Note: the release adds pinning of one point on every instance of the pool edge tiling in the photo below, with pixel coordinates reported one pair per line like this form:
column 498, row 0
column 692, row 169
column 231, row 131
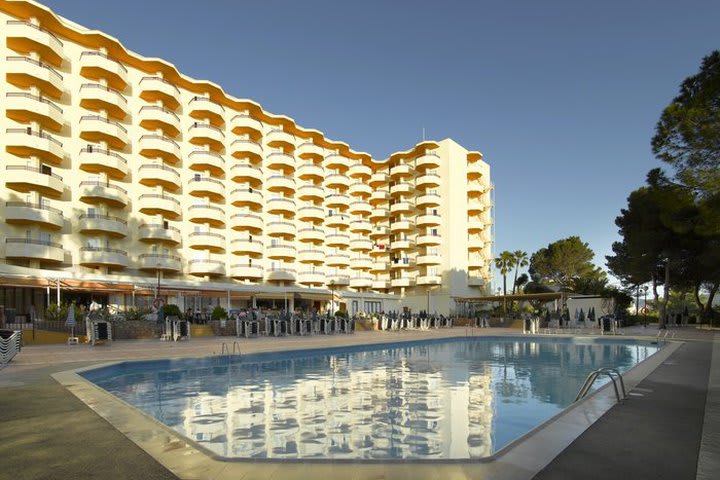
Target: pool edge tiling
column 522, row 458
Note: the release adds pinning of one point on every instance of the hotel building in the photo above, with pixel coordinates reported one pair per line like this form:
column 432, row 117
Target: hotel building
column 124, row 179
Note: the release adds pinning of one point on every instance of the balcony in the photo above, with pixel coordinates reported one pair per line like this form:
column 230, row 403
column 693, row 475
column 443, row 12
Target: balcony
column 210, row 214
column 361, row 282
column 96, row 160
column 246, row 149
column 379, row 267
column 312, row 278
column 360, row 226
column 402, row 263
column 337, row 240
column 26, row 213
column 246, row 173
column 280, row 275
column 338, row 181
column 475, row 189
column 361, row 263
column 337, row 221
column 286, row 230
column 94, row 96
column 361, row 245
column 312, row 235
column 247, row 222
column 246, row 246
column 380, row 284
column 311, row 172
column 429, row 259
column 426, row 161
column 154, row 89
column 281, row 139
column 280, row 206
column 315, row 215
column 156, row 174
column 402, row 226
column 26, row 37
column 26, row 72
column 475, row 226
column 159, row 204
column 32, row 249
column 428, row 200
column 280, row 183
column 153, row 146
column 154, row 117
column 159, row 262
column 316, row 257
column 207, row 187
column 246, row 197
column 360, row 208
column 474, row 171
column 359, row 189
column 207, row 134
column 309, row 150
column 246, row 271
column 430, row 180
column 26, row 108
column 337, row 200
column 207, row 161
column 158, row 232
column 337, row 280
column 379, row 180
column 202, row 108
column 476, row 243
column 379, row 196
column 280, row 252
column 26, row 142
column 401, row 245
column 336, row 161
column 379, row 232
column 428, row 240
column 97, row 65
column 212, row 241
column 429, row 280
column 280, row 161
column 402, row 189
column 95, row 128
column 428, row 220
column 360, row 171
column 311, row 192
column 95, row 223
column 402, row 282
column 377, row 214
column 476, row 262
column 380, row 250
column 476, row 281
column 475, row 206
column 402, row 207
column 337, row 260
column 206, row 267
column 25, row 179
column 401, row 171
column 243, row 123
column 96, row 257
column 94, row 192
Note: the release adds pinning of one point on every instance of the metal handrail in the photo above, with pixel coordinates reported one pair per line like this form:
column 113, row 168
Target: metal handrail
column 612, row 373
column 18, row 58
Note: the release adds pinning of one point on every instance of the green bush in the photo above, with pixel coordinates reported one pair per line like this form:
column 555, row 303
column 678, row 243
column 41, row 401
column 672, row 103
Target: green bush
column 340, row 313
column 134, row 314
column 59, row 313
column 173, row 310
column 218, row 313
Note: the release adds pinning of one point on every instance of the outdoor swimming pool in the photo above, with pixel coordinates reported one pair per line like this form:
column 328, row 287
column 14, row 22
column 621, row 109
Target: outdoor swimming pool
column 439, row 399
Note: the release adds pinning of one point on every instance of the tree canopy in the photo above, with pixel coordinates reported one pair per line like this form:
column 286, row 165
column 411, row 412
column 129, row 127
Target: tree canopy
column 687, row 136
column 564, row 261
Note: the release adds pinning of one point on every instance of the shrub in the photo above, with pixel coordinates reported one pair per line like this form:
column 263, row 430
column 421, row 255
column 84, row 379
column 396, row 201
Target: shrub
column 218, row 313
column 59, row 313
column 135, row 314
column 340, row 313
column 173, row 310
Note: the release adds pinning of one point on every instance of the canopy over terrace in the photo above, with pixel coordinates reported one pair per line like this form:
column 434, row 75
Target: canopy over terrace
column 467, row 306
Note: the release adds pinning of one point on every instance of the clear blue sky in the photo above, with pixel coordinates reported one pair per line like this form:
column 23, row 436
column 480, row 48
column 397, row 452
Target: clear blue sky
column 561, row 96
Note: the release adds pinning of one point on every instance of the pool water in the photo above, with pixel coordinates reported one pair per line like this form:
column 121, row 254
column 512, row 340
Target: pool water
column 439, row 399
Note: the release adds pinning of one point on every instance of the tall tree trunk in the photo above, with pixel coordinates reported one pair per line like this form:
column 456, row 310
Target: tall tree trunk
column 666, row 294
column 699, row 303
column 656, row 297
column 515, row 281
column 505, row 292
column 711, row 296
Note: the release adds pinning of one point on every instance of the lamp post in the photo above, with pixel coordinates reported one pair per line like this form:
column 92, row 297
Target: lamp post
column 645, row 290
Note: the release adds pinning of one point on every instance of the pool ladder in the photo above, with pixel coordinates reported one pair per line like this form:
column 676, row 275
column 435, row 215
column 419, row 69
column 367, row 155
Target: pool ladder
column 225, row 350
column 612, row 373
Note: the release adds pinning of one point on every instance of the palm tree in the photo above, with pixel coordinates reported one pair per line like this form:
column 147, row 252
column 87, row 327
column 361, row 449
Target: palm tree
column 504, row 262
column 520, row 260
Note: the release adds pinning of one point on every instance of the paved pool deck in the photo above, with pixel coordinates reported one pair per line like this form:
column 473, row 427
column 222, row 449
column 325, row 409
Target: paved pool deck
column 669, row 427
